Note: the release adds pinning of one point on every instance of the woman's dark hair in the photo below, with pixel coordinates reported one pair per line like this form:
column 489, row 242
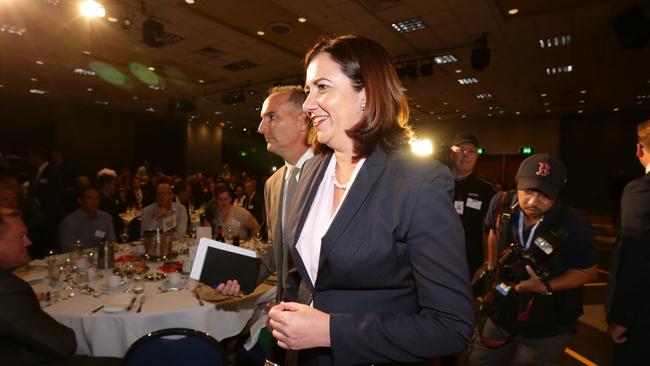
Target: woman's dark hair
column 220, row 188
column 368, row 65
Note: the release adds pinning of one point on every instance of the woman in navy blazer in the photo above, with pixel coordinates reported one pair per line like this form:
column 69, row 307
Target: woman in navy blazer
column 381, row 275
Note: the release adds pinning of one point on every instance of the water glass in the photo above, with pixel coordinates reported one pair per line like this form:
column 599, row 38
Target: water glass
column 137, row 285
column 82, row 278
column 53, row 271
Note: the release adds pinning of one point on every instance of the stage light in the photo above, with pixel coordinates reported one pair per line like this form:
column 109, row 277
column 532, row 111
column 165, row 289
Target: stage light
column 422, row 147
column 92, row 9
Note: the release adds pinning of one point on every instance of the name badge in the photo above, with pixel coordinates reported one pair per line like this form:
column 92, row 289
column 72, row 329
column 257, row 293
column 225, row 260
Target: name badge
column 169, row 222
column 475, row 204
column 459, row 206
column 100, row 234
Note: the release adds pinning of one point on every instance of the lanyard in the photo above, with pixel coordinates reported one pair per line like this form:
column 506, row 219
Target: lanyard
column 532, row 231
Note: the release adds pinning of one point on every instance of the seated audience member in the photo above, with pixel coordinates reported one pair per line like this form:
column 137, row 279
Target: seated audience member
column 31, row 212
column 240, row 196
column 165, row 214
column 107, row 185
column 29, row 335
column 221, row 212
column 87, row 224
column 138, row 196
column 254, row 202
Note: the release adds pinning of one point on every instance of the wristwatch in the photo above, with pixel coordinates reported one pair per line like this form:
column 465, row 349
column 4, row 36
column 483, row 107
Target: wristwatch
column 548, row 290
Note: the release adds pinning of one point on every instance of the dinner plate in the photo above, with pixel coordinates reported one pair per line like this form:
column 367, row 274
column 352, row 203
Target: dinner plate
column 121, row 287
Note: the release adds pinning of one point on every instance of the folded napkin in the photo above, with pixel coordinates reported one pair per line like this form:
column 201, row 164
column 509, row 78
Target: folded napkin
column 118, row 303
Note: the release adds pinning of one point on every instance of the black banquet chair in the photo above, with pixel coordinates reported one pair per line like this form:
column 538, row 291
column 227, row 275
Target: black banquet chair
column 175, row 346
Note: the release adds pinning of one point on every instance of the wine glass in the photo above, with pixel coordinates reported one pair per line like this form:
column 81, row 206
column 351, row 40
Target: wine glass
column 228, row 235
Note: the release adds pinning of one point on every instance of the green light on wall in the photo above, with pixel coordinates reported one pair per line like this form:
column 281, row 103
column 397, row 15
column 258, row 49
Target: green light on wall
column 243, row 154
column 526, row 150
column 480, row 151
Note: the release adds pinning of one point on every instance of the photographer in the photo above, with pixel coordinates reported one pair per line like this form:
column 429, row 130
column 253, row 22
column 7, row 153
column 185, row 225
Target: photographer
column 546, row 254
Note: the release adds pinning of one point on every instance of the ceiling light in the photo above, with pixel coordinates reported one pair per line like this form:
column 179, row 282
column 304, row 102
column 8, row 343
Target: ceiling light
column 151, row 68
column 12, row 29
column 458, row 71
column 463, row 116
column 189, row 1
column 86, row 53
column 639, row 102
column 150, row 109
column 548, row 111
column 615, row 109
column 302, row 20
column 484, row 96
column 583, row 91
column 489, row 114
column 2, row 86
column 201, row 81
column 135, row 97
column 555, row 41
column 39, row 62
column 112, row 19
column 582, row 101
column 444, row 103
column 38, row 91
column 409, row 25
column 547, row 103
column 33, row 79
column 579, row 111
column 89, row 89
column 102, row 102
column 517, row 113
column 559, row 70
column 501, row 111
column 260, row 33
column 445, row 59
column 84, row 72
column 543, row 95
column 466, row 81
column 513, row 11
column 92, row 9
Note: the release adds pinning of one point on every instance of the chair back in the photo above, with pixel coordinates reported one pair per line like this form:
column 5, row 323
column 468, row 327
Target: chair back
column 175, row 346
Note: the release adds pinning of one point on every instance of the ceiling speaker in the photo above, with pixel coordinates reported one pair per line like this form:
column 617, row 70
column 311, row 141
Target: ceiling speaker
column 632, row 27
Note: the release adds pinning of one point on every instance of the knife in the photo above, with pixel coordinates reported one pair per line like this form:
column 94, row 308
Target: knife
column 131, row 304
column 93, row 311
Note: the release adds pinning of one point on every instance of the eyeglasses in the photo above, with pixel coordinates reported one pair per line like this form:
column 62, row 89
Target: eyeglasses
column 459, row 149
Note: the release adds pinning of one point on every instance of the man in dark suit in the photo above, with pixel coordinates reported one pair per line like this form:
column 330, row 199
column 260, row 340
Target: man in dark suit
column 108, row 202
column 46, row 187
column 28, row 335
column 628, row 313
column 254, row 202
column 286, row 130
column 137, row 196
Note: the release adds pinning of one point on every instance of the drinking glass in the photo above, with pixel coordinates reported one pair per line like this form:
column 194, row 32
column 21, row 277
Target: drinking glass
column 82, row 278
column 228, row 235
column 137, row 285
column 53, row 271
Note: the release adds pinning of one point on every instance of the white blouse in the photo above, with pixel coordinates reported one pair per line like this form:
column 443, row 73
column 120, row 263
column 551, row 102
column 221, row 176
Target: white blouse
column 320, row 218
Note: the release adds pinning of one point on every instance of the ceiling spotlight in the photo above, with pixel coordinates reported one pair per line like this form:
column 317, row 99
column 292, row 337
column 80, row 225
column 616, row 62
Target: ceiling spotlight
column 112, row 19
column 87, row 53
column 458, row 71
column 513, row 11
column 201, row 81
column 583, row 91
column 615, row 109
column 543, row 95
column 92, row 9
column 151, row 68
column 39, row 62
column 260, row 33
column 302, row 20
column 33, row 79
column 189, row 1
column 89, row 89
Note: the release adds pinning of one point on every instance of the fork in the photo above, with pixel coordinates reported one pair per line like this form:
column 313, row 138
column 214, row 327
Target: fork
column 141, row 302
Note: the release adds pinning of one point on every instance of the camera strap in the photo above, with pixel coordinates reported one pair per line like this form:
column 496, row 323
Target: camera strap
column 522, row 319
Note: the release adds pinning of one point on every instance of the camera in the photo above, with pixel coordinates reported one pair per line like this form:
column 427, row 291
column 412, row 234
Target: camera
column 514, row 259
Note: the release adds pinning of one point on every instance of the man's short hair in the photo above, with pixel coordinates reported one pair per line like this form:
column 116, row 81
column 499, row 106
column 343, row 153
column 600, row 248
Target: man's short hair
column 296, row 96
column 6, row 212
column 82, row 192
column 104, row 180
column 643, row 133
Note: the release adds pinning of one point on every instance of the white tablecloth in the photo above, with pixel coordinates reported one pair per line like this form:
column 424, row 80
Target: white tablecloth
column 110, row 334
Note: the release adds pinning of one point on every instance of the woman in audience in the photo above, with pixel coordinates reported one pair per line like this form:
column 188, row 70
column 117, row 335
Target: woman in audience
column 221, row 212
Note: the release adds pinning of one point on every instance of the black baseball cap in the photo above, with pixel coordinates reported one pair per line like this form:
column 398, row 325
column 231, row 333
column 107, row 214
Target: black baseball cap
column 542, row 172
column 464, row 138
